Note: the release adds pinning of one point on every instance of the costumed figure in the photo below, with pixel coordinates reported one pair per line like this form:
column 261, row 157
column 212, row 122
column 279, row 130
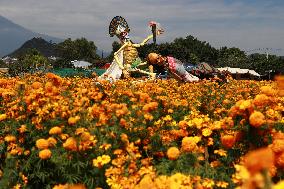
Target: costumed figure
column 174, row 67
column 126, row 59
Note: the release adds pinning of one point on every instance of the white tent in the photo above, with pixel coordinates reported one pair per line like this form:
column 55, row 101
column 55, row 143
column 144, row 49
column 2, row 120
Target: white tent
column 239, row 71
column 81, row 64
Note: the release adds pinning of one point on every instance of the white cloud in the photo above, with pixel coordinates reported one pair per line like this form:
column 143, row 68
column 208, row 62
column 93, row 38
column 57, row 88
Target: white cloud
column 236, row 24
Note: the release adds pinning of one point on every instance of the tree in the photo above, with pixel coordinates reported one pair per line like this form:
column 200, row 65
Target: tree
column 79, row 49
column 2, row 64
column 30, row 62
column 263, row 63
column 232, row 57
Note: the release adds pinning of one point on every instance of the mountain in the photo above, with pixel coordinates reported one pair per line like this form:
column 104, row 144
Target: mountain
column 45, row 48
column 13, row 35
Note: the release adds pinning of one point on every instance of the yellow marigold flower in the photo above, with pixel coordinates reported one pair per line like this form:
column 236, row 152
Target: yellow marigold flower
column 256, row 119
column 73, row 120
column 44, row 154
column 173, row 153
column 80, row 130
column 22, row 129
column 170, row 111
column 210, row 142
column 101, row 160
column 70, row 144
column 279, row 185
column 27, row 152
column 206, row 132
column 52, row 141
column 3, row 117
column 222, row 184
column 220, row 152
column 189, row 144
column 268, row 90
column 64, row 136
column 148, row 116
column 42, row 144
column 167, row 118
column 260, row 99
column 17, row 186
column 208, row 183
column 10, row 138
column 245, row 105
column 55, row 130
column 105, row 146
column 105, row 159
column 86, row 136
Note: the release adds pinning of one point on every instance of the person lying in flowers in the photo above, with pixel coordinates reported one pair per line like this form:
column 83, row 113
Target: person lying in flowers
column 174, row 66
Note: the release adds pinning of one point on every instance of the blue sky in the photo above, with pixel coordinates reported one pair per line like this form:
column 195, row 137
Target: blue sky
column 247, row 24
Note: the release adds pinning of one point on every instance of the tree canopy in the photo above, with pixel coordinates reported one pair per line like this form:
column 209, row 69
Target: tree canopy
column 31, row 62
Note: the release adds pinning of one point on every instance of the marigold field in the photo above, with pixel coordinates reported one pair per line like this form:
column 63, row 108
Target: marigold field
column 79, row 133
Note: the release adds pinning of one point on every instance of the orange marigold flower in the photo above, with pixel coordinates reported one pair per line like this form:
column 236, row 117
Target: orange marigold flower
column 52, row 141
column 22, row 129
column 60, row 186
column 277, row 146
column 228, row 141
column 150, row 106
column 77, row 186
column 44, row 154
column 42, row 144
column 278, row 135
column 48, row 87
column 36, row 85
column 182, row 124
column 173, row 153
column 70, row 144
column 260, row 100
column 256, row 119
column 258, row 160
column 280, row 160
column 280, row 81
column 10, row 138
column 55, row 130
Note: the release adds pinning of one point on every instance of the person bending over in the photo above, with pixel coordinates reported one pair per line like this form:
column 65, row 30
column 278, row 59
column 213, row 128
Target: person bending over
column 174, row 66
